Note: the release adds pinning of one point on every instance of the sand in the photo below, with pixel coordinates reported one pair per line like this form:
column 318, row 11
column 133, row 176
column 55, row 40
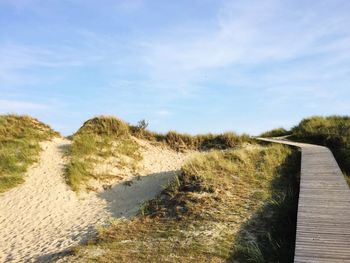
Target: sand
column 42, row 219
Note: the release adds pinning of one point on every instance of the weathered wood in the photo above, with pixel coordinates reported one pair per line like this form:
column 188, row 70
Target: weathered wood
column 323, row 221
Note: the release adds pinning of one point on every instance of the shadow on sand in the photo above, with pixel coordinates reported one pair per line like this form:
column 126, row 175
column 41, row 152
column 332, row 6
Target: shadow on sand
column 125, row 198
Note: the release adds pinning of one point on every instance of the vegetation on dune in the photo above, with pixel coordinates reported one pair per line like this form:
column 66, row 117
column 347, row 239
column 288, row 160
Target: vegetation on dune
column 182, row 141
column 204, row 141
column 201, row 142
column 276, row 133
column 100, row 139
column 226, row 205
column 19, row 147
column 235, row 202
column 106, row 137
column 105, row 126
column 332, row 131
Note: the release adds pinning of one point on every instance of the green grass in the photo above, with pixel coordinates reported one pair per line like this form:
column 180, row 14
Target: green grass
column 19, row 147
column 332, row 131
column 206, row 214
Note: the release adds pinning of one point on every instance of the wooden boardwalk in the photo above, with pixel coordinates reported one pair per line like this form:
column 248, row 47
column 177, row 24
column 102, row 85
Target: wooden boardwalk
column 323, row 221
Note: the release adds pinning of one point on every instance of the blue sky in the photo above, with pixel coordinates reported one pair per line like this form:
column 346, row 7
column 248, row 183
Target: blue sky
column 191, row 65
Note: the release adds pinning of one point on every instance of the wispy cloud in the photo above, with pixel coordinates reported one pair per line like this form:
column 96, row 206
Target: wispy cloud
column 182, row 60
column 24, row 64
column 252, row 35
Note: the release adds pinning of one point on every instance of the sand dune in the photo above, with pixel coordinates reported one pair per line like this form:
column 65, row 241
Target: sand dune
column 43, row 218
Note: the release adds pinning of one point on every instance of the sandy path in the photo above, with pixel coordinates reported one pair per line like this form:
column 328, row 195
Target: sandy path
column 43, row 217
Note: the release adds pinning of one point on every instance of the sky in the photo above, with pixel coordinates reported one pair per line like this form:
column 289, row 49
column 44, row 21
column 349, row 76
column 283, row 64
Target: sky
column 194, row 66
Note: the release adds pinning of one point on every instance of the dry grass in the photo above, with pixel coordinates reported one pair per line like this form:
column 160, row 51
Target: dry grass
column 19, row 147
column 201, row 216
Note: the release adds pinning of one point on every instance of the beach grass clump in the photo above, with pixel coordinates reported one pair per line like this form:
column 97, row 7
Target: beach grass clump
column 19, row 147
column 221, row 208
